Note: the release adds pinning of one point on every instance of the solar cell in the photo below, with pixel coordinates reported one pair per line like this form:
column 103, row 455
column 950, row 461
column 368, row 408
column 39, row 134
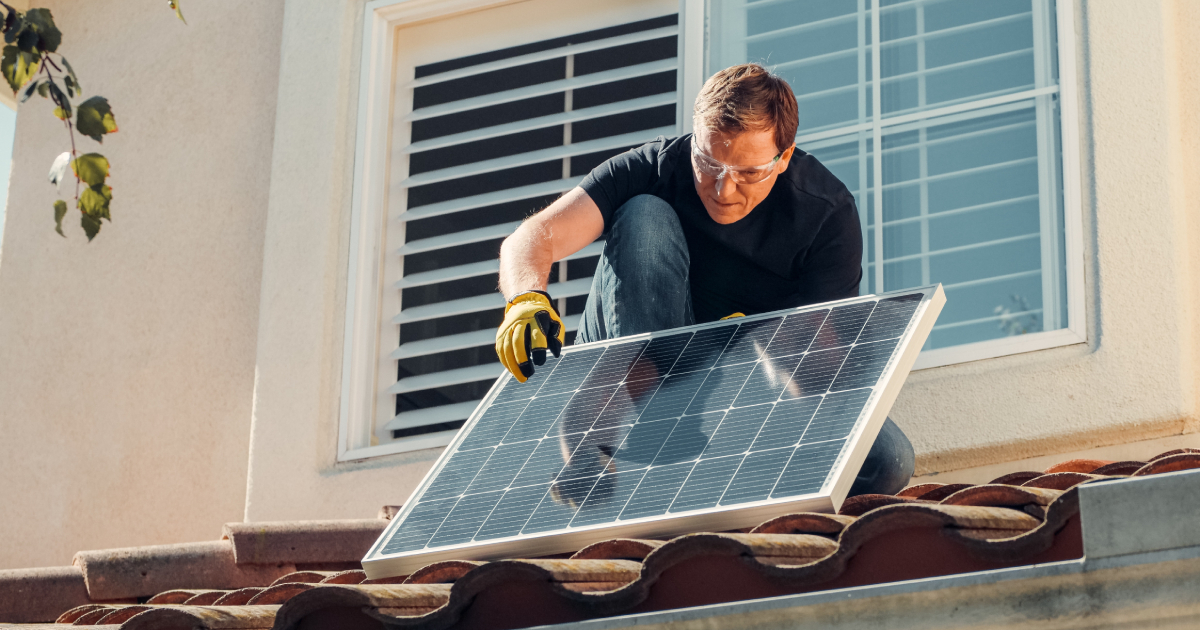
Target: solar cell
column 713, row 426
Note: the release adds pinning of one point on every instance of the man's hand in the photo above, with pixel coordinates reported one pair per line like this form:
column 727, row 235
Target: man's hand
column 531, row 326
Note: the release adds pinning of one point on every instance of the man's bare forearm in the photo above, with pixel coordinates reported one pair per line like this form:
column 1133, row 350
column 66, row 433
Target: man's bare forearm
column 525, row 259
column 565, row 227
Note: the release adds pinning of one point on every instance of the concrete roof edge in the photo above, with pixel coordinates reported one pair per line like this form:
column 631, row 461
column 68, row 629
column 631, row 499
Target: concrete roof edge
column 1062, row 571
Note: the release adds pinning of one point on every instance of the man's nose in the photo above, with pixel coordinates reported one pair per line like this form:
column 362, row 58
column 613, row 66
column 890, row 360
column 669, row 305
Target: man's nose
column 725, row 186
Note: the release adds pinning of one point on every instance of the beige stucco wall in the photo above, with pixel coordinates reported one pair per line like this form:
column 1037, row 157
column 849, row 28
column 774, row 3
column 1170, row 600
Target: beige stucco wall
column 1135, row 380
column 127, row 364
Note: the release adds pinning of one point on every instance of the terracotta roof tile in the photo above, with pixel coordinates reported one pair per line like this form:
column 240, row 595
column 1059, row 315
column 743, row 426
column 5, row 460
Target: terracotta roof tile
column 1078, row 466
column 302, row 542
column 1060, row 480
column 205, row 598
column 999, row 495
column 1017, row 478
column 238, row 597
column 1124, row 468
column 354, row 576
column 280, row 593
column 941, row 492
column 250, row 579
column 863, row 503
column 1171, row 463
column 145, row 571
column 40, row 594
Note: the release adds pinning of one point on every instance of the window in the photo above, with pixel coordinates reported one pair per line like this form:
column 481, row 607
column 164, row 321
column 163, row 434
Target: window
column 494, row 115
column 968, row 183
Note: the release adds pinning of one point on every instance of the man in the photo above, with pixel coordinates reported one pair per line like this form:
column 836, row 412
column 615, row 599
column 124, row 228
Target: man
column 727, row 221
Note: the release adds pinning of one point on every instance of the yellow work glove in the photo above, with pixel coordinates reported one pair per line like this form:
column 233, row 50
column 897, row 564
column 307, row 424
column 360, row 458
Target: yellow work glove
column 732, row 316
column 531, row 326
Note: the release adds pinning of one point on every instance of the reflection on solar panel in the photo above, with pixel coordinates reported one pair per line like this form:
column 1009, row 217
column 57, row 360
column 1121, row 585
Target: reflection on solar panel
column 717, row 426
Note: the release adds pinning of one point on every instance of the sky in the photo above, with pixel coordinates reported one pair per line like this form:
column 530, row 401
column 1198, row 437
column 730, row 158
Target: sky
column 8, row 125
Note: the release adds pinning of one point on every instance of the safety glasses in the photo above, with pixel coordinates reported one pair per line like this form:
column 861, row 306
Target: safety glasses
column 716, row 169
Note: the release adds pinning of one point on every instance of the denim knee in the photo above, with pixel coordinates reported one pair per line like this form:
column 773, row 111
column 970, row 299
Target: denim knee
column 641, row 282
column 646, row 229
column 889, row 464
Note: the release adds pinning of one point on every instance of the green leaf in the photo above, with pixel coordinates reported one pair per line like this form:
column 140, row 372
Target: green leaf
column 174, row 4
column 28, row 39
column 60, row 211
column 60, row 99
column 91, row 226
column 92, row 168
column 94, row 118
column 70, row 85
column 42, row 23
column 94, row 201
column 18, row 67
column 10, row 19
column 13, row 26
column 74, row 79
column 29, row 89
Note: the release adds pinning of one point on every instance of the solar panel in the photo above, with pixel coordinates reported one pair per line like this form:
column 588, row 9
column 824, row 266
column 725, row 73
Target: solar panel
column 717, row 426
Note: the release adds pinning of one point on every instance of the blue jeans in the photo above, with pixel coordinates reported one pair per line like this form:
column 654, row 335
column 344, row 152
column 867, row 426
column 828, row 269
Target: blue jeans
column 641, row 285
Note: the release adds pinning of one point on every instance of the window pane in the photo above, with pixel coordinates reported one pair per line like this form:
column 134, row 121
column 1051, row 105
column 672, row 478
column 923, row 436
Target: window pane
column 970, row 199
column 933, row 53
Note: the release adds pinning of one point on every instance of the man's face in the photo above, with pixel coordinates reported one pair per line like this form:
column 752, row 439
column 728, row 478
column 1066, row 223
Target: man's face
column 726, row 200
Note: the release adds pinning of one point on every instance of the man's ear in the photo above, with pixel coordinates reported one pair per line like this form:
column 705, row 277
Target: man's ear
column 787, row 156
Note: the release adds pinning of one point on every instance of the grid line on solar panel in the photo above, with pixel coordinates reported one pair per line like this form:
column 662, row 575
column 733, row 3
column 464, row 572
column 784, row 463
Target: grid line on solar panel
column 703, row 349
column 815, row 373
column 570, row 371
column 756, row 476
column 581, row 412
column 614, row 364
column 750, row 341
column 688, row 438
column 807, row 470
column 864, row 365
column 659, row 356
column 512, row 512
column 796, row 333
column 670, row 424
column 836, row 416
column 608, row 497
column 704, row 487
column 890, row 318
column 465, row 519
column 737, row 431
column 786, row 424
column 843, row 325
column 502, row 467
column 768, row 380
column 627, row 404
column 494, row 424
column 537, row 420
column 720, row 388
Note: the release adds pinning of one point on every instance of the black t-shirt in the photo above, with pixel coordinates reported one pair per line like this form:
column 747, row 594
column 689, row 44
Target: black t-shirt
column 801, row 245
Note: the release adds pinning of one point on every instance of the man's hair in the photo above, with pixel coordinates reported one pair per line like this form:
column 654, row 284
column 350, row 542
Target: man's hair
column 747, row 97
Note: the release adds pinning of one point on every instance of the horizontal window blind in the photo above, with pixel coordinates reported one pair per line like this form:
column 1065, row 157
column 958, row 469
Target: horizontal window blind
column 494, row 138
column 961, row 97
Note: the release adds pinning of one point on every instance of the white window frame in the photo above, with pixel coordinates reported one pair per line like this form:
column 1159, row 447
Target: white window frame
column 362, row 351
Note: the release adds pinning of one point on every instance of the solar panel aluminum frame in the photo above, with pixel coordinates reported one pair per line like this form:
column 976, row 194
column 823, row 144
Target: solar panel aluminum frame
column 832, row 494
